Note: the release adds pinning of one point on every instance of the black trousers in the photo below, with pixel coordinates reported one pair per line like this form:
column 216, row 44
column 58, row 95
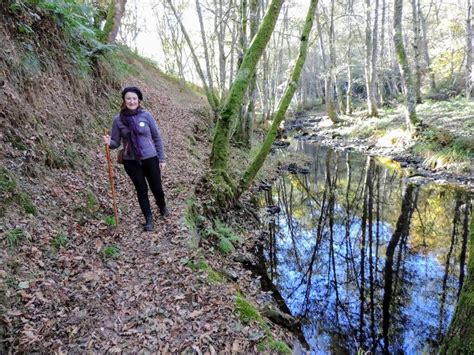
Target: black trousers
column 148, row 170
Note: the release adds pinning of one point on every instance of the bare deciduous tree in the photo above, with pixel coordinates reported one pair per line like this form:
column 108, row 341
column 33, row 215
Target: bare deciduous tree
column 412, row 120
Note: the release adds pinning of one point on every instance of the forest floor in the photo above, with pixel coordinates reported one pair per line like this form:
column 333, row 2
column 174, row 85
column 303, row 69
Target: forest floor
column 83, row 286
column 436, row 158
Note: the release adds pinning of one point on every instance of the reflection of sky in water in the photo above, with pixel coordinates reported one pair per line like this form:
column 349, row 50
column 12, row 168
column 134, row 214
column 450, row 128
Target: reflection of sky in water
column 415, row 308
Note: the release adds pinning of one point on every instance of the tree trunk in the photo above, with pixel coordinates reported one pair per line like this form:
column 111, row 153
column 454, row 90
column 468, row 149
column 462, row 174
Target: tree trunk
column 469, row 71
column 211, row 98
column 115, row 13
column 221, row 31
column 205, row 49
column 416, row 49
column 424, row 45
column 382, row 54
column 234, row 35
column 283, row 104
column 332, row 66
column 252, row 92
column 328, row 87
column 243, row 31
column 349, row 107
column 245, row 128
column 412, row 120
column 370, row 58
column 221, row 145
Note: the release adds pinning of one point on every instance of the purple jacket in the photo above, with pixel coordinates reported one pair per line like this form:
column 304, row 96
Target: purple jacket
column 150, row 139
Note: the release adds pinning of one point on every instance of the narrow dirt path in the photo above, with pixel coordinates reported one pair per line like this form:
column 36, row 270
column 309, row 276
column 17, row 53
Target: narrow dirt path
column 145, row 300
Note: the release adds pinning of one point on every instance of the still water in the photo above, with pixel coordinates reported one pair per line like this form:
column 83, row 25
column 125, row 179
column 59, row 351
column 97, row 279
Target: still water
column 367, row 258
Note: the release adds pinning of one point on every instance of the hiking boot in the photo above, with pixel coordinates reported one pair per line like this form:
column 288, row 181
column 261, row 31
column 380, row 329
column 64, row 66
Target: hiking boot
column 164, row 212
column 148, row 223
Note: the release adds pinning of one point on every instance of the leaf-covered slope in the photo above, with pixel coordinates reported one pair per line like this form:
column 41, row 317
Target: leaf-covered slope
column 68, row 280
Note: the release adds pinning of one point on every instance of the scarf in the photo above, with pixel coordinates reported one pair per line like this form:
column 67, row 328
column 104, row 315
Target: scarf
column 126, row 115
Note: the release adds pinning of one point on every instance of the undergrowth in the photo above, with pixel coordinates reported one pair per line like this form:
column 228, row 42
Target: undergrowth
column 110, row 252
column 225, row 236
column 61, row 240
column 442, row 149
column 14, row 237
column 11, row 193
column 76, row 21
column 247, row 314
column 213, row 276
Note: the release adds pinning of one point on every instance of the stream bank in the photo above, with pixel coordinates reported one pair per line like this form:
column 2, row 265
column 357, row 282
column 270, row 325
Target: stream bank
column 321, row 211
column 389, row 140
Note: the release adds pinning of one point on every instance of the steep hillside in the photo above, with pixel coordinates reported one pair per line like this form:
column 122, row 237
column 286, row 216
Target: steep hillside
column 69, row 281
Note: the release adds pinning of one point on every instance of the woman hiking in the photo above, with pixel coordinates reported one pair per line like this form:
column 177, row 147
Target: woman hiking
column 143, row 152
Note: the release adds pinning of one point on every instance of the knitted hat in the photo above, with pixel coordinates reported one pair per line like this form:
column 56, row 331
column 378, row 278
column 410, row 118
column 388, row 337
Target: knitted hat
column 133, row 89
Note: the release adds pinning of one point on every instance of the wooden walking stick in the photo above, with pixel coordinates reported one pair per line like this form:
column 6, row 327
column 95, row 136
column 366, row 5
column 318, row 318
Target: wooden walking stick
column 111, row 180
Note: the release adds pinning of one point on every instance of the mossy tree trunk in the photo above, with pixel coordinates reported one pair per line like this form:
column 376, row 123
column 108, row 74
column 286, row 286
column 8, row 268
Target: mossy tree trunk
column 115, row 13
column 230, row 109
column 460, row 337
column 285, row 101
column 412, row 120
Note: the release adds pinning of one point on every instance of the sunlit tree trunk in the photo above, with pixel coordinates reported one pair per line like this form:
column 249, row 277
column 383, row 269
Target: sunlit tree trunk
column 371, row 58
column 382, row 55
column 349, row 21
column 412, row 120
column 332, row 91
column 283, row 104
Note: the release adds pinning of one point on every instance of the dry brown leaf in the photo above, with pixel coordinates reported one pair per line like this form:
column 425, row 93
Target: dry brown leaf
column 90, row 276
column 196, row 313
column 236, row 346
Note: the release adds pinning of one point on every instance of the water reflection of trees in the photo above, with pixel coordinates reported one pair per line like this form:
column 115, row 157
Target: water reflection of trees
column 355, row 251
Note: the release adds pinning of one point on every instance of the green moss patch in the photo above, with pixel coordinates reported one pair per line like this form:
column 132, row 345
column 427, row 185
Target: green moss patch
column 213, row 276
